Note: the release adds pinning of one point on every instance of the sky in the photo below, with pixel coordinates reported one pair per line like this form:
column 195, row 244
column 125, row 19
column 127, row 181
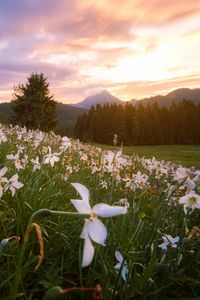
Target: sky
column 131, row 48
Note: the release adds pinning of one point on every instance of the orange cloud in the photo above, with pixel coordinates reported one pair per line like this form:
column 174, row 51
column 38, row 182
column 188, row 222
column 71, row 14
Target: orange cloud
column 135, row 48
column 142, row 89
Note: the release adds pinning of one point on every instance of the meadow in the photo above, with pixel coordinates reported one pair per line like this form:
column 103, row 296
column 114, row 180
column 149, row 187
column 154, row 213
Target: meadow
column 81, row 222
column 185, row 155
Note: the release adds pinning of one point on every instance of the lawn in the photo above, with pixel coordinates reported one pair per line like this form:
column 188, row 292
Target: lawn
column 186, row 155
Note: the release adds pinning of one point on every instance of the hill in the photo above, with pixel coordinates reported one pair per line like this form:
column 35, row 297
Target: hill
column 66, row 114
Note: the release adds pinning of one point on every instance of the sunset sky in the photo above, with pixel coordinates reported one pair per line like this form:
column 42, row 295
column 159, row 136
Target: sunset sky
column 132, row 48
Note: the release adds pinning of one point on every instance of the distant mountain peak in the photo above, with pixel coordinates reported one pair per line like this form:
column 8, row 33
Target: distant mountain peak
column 185, row 93
column 101, row 98
column 105, row 92
column 177, row 95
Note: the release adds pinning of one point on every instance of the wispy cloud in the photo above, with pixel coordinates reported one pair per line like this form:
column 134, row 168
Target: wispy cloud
column 134, row 49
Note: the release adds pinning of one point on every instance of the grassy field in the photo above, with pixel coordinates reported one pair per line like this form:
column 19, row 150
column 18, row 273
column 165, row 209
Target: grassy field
column 107, row 226
column 186, row 155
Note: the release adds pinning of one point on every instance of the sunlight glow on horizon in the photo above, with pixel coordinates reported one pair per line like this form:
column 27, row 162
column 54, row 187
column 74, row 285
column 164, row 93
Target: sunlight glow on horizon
column 137, row 50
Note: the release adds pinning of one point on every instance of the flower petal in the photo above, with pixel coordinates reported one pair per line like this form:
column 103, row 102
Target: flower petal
column 81, row 206
column 82, row 190
column 124, row 272
column 117, row 266
column 163, row 246
column 3, row 171
column 17, row 185
column 118, row 256
column 84, row 233
column 183, row 200
column 97, row 231
column 169, row 238
column 88, row 253
column 104, row 210
column 176, row 239
column 1, row 191
column 191, row 185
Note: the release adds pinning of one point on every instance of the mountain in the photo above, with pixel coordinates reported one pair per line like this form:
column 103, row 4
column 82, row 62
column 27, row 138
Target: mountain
column 68, row 113
column 186, row 94
column 100, row 98
column 175, row 96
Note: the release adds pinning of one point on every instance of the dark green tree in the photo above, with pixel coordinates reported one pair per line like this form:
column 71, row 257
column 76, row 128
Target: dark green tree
column 33, row 105
column 131, row 124
column 141, row 125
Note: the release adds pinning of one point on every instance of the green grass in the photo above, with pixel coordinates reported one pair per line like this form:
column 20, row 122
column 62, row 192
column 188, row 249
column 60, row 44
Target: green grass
column 186, row 155
column 150, row 191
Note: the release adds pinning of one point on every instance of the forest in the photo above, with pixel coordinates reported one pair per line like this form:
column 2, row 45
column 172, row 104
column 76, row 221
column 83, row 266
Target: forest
column 140, row 125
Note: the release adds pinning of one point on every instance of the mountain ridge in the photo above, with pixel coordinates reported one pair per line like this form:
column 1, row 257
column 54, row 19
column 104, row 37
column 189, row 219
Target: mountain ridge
column 176, row 96
column 68, row 113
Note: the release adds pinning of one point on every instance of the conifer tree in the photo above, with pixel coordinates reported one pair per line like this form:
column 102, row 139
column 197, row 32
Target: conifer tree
column 141, row 125
column 32, row 104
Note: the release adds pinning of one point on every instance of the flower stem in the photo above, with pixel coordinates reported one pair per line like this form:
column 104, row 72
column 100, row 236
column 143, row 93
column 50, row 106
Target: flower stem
column 38, row 213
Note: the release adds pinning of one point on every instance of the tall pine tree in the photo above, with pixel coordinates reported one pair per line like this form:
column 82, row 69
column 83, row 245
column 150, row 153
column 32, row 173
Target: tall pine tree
column 32, row 104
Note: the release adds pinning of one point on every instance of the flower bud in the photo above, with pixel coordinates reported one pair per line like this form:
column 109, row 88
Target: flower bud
column 54, row 293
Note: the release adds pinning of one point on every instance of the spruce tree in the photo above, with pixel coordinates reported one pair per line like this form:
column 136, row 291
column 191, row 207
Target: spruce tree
column 32, row 104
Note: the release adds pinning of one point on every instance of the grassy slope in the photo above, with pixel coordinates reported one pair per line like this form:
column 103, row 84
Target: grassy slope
column 186, row 155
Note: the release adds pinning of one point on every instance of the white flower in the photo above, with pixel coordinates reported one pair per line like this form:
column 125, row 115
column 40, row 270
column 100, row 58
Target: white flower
column 13, row 184
column 51, row 158
column 16, row 160
column 36, row 164
column 124, row 202
column 190, row 201
column 169, row 242
column 113, row 160
column 66, row 143
column 118, row 266
column 180, row 174
column 190, row 184
column 3, row 138
column 83, row 156
column 38, row 138
column 2, row 179
column 20, row 149
column 5, row 242
column 104, row 184
column 93, row 228
column 138, row 181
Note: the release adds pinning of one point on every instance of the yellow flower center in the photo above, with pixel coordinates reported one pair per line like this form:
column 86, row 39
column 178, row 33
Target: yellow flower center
column 192, row 200
column 93, row 215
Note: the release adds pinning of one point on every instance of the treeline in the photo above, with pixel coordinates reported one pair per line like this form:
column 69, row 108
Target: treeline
column 141, row 125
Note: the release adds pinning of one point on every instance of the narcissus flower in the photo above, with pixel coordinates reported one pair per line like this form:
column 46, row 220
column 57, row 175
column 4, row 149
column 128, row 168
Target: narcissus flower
column 190, row 201
column 169, row 242
column 36, row 164
column 94, row 229
column 118, row 266
column 51, row 158
column 15, row 158
column 13, row 184
column 2, row 179
column 180, row 174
